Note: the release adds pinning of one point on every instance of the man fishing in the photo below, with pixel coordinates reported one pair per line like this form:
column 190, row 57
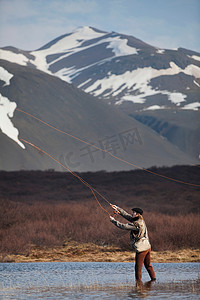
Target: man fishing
column 139, row 239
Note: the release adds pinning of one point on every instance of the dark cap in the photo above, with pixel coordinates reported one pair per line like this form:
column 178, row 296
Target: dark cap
column 137, row 210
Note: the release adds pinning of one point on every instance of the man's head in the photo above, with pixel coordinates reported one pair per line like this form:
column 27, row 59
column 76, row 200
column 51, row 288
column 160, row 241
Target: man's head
column 136, row 211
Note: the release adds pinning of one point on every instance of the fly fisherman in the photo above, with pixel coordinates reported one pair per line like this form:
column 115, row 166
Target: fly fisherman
column 139, row 239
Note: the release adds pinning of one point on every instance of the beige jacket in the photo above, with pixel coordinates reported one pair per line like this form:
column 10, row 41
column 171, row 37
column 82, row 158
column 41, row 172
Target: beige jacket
column 138, row 231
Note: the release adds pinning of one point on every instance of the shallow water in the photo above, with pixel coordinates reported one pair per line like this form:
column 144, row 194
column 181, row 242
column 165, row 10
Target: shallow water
column 97, row 281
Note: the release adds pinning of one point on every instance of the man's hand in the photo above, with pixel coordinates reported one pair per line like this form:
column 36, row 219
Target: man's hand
column 115, row 207
column 112, row 219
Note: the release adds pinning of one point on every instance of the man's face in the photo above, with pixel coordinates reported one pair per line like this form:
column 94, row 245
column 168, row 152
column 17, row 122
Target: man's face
column 134, row 214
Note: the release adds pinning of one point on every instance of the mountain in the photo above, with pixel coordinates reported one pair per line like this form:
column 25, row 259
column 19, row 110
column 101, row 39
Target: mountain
column 119, row 68
column 71, row 110
column 156, row 87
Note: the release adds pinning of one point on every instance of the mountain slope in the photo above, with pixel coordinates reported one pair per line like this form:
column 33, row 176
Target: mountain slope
column 181, row 128
column 119, row 68
column 157, row 87
column 71, row 110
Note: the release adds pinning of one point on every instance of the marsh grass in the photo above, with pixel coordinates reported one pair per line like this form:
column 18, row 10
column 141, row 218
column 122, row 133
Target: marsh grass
column 24, row 226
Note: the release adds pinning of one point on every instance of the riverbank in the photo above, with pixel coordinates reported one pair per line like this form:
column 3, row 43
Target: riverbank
column 75, row 252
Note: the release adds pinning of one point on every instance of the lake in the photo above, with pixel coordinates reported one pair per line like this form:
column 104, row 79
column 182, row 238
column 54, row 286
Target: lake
column 93, row 280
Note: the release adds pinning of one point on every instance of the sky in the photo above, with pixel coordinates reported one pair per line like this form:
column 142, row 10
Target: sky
column 169, row 24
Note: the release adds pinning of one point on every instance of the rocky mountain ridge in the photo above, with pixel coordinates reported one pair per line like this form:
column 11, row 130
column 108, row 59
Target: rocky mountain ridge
column 119, row 69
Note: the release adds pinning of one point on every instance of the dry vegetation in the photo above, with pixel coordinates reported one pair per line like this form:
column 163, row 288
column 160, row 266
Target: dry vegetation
column 87, row 252
column 50, row 216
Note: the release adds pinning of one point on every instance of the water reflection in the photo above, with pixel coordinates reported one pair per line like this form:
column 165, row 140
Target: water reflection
column 142, row 290
column 96, row 281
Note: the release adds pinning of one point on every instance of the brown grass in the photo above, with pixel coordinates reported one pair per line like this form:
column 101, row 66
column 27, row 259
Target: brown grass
column 50, row 225
column 42, row 210
column 88, row 252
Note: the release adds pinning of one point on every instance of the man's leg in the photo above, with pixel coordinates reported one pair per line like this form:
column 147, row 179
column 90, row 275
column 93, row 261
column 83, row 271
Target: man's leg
column 148, row 266
column 139, row 260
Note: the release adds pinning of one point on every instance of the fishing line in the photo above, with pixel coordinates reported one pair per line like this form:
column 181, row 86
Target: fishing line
column 74, row 174
column 114, row 156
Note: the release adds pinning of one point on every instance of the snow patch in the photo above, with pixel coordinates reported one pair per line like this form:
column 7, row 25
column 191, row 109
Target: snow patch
column 192, row 70
column 195, row 57
column 7, row 109
column 160, row 51
column 74, row 40
column 176, row 98
column 132, row 98
column 120, row 47
column 138, row 83
column 87, row 33
column 84, row 83
column 196, row 83
column 72, row 44
column 192, row 106
column 5, row 76
column 154, row 107
column 66, row 74
column 14, row 57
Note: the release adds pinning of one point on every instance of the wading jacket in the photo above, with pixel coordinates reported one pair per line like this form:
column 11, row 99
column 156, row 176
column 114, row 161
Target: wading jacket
column 138, row 231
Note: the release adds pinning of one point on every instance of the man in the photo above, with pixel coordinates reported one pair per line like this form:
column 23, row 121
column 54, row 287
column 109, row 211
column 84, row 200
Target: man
column 139, row 239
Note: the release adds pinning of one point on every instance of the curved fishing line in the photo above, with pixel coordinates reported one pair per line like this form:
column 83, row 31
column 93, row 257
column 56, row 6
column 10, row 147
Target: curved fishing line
column 74, row 174
column 114, row 156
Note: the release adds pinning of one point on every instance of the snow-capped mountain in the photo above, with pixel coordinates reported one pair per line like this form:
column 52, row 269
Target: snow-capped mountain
column 119, row 68
column 79, row 114
column 157, row 87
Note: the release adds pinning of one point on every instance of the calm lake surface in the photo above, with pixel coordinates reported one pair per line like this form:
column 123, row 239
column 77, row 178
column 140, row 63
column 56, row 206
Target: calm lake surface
column 65, row 280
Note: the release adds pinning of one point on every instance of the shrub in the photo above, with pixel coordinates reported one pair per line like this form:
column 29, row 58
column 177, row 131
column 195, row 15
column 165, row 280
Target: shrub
column 49, row 225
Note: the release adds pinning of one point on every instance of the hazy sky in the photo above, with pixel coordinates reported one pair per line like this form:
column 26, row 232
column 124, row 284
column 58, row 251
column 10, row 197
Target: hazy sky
column 29, row 24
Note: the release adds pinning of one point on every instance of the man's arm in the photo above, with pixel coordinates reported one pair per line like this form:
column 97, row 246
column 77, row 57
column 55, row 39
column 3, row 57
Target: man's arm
column 123, row 213
column 120, row 225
